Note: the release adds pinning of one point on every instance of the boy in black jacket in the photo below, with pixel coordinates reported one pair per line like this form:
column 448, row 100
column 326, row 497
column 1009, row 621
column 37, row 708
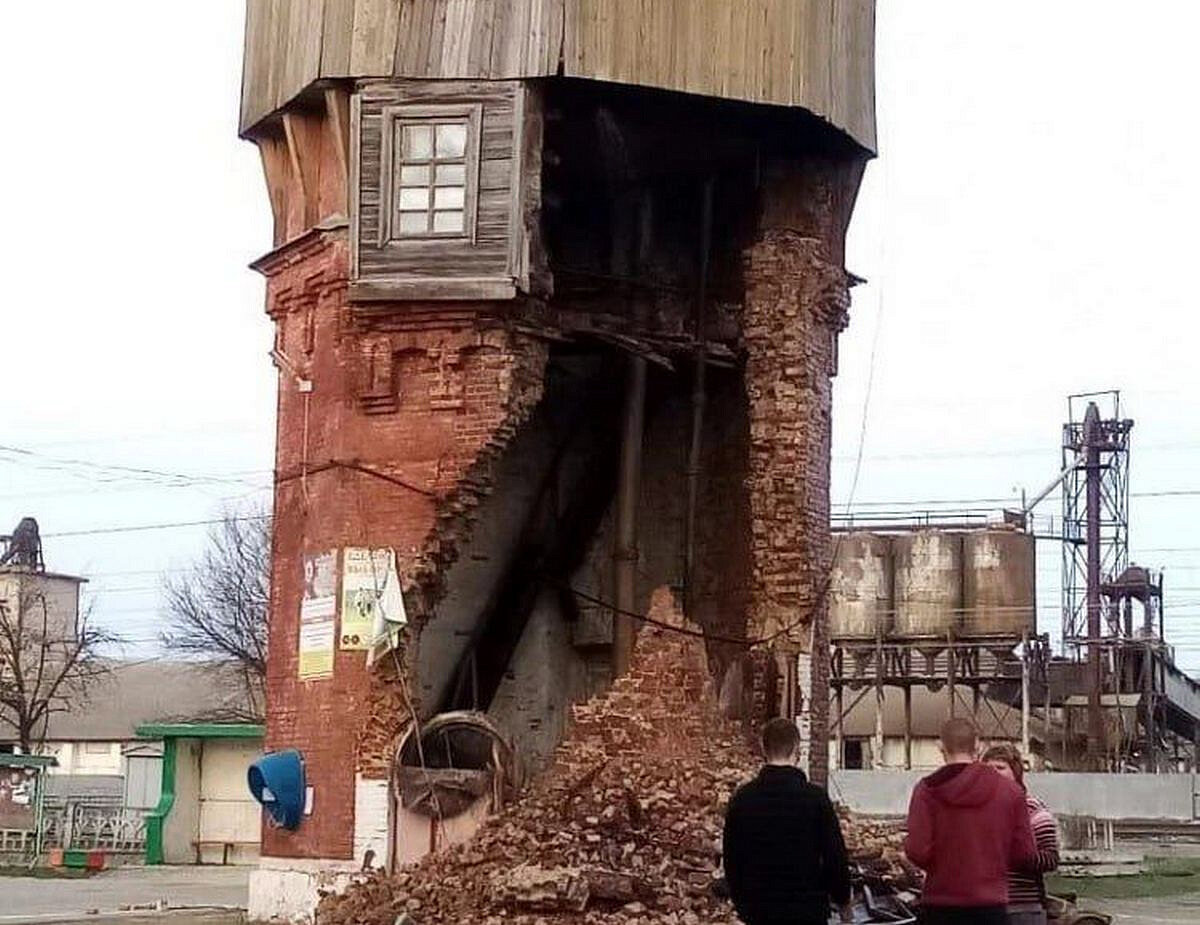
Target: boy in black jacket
column 784, row 855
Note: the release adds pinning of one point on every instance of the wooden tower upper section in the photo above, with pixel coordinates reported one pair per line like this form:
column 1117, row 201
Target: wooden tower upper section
column 489, row 149
column 815, row 54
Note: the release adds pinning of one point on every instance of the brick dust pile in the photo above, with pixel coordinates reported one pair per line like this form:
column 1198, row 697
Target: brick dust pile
column 623, row 827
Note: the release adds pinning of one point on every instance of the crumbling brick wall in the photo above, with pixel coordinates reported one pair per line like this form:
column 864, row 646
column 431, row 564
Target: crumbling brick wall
column 392, row 447
column 796, row 303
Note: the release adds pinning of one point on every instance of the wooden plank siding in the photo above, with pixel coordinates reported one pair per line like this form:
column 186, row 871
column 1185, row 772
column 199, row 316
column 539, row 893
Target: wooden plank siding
column 496, row 252
column 815, row 54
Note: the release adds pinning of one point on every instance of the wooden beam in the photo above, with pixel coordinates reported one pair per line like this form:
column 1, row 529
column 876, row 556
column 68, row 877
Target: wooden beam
column 277, row 172
column 337, row 121
column 484, row 289
column 304, row 152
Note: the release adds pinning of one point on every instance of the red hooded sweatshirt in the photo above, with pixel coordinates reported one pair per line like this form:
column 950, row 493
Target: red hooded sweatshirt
column 967, row 827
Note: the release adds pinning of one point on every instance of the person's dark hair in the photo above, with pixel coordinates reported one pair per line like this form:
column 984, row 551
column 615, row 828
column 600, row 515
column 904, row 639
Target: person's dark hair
column 780, row 739
column 959, row 736
column 1011, row 757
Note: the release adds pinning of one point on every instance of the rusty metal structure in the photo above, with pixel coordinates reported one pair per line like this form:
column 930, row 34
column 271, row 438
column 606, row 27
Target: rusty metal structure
column 1095, row 532
column 947, row 607
column 1138, row 706
column 22, row 549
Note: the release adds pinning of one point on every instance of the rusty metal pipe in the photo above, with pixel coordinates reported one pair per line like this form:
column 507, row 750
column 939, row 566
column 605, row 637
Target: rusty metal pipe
column 628, row 485
column 629, row 477
column 698, row 400
column 1092, row 441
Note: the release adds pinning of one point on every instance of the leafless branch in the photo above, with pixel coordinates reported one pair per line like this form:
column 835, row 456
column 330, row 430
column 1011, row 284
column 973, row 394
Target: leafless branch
column 48, row 660
column 218, row 608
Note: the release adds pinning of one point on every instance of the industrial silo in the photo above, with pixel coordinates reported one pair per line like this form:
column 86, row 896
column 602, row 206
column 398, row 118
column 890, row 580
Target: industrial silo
column 999, row 568
column 928, row 582
column 860, row 591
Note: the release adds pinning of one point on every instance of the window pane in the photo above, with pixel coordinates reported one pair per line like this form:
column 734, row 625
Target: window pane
column 418, row 142
column 414, row 222
column 414, row 176
column 448, row 197
column 414, row 198
column 448, row 221
column 450, row 175
column 452, row 140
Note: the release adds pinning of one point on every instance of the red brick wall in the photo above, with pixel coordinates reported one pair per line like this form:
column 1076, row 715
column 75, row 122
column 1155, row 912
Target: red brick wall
column 796, row 303
column 429, row 397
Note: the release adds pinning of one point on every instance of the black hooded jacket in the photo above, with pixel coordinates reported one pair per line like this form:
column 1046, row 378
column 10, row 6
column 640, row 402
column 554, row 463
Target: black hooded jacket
column 784, row 854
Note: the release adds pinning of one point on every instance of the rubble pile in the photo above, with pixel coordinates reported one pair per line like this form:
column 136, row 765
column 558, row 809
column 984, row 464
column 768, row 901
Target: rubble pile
column 624, row 827
column 876, row 849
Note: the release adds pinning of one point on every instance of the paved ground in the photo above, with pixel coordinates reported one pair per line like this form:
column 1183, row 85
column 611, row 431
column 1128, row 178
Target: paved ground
column 1175, row 910
column 29, row 900
column 214, row 894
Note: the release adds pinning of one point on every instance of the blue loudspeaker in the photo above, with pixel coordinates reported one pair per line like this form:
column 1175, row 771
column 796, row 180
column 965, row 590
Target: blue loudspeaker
column 277, row 781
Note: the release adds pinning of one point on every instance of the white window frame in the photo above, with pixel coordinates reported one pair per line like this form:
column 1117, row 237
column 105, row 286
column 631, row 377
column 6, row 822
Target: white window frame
column 394, row 117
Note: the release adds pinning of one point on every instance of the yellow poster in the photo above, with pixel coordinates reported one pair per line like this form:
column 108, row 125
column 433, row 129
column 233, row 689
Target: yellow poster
column 318, row 611
column 371, row 597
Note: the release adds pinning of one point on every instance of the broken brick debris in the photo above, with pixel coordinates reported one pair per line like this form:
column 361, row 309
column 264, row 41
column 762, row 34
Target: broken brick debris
column 623, row 827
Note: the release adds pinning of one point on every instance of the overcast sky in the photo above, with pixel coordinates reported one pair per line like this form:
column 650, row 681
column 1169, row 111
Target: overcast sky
column 1027, row 233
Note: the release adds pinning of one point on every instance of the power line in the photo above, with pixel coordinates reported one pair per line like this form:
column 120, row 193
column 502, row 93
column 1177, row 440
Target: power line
column 137, row 528
column 143, row 486
column 115, row 471
column 998, row 454
column 916, row 503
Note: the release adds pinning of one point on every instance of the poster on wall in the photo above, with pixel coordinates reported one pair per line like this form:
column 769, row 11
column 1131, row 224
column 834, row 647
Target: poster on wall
column 17, row 799
column 318, row 611
column 372, row 602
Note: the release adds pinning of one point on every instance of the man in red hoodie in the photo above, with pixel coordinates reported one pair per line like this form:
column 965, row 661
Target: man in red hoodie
column 967, row 828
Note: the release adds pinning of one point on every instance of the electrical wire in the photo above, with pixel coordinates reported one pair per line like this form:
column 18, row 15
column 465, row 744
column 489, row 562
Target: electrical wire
column 114, row 471
column 170, row 525
column 1000, row 454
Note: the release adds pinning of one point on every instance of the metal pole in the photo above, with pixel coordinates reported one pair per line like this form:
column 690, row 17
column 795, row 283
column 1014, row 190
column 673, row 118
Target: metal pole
column 1025, row 695
column 1120, row 657
column 877, row 744
column 841, row 713
column 950, row 672
column 908, row 727
column 1092, row 439
column 1043, row 661
column 1151, row 760
column 700, row 361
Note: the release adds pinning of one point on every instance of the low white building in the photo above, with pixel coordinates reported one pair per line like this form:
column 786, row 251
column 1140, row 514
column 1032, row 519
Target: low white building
column 858, row 749
column 110, row 759
column 206, row 814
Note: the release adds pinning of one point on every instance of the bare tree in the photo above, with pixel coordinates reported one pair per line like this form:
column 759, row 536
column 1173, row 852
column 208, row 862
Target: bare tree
column 48, row 661
column 218, row 608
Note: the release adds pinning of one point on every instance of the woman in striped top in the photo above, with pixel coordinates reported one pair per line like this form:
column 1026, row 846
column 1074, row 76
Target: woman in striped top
column 1026, row 888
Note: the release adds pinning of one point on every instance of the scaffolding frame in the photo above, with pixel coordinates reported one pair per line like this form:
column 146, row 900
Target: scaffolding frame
column 1114, row 452
column 955, row 664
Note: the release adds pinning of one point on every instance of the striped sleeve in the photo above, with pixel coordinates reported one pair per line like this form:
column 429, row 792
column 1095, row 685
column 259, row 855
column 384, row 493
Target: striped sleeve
column 1045, row 834
column 1025, row 886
